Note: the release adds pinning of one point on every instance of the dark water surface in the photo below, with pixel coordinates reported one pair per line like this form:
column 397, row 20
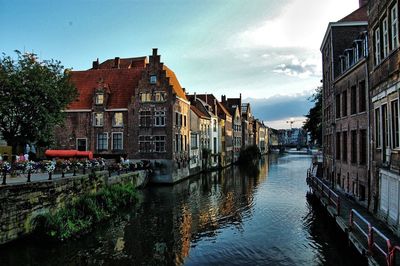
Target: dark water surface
column 236, row 217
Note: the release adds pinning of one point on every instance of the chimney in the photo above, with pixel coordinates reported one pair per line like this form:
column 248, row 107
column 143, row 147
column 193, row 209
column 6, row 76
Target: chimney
column 223, row 99
column 195, row 97
column 95, row 64
column 362, row 2
column 117, row 60
column 184, row 91
column 154, row 51
column 206, row 98
column 215, row 107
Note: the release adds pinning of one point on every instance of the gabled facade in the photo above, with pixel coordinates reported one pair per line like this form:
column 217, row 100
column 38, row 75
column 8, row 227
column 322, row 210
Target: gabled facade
column 233, row 105
column 130, row 108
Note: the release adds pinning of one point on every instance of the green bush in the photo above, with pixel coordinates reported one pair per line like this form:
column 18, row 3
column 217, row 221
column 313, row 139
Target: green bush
column 249, row 155
column 78, row 217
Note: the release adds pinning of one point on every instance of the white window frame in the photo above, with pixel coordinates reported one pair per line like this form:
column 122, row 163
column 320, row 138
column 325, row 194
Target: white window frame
column 122, row 119
column 385, row 35
column 98, row 122
column 377, row 46
column 161, row 116
column 97, row 141
column 145, row 115
column 150, row 140
column 122, row 140
column 394, row 27
column 160, row 96
column 86, row 141
column 97, row 98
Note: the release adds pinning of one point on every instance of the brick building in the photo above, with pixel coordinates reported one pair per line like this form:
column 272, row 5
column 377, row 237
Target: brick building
column 339, row 36
column 351, row 121
column 133, row 108
column 384, row 92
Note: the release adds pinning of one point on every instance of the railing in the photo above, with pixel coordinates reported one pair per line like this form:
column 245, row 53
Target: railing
column 325, row 191
column 395, row 249
column 375, row 238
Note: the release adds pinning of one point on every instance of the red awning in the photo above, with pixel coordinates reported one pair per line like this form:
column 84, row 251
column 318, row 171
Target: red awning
column 69, row 153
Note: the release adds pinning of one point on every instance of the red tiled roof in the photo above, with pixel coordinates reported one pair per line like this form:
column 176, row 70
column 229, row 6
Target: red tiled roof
column 198, row 112
column 121, row 84
column 175, row 83
column 358, row 15
column 124, row 63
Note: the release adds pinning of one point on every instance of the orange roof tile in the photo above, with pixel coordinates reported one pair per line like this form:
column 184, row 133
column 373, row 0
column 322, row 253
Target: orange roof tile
column 121, row 84
column 175, row 83
column 198, row 112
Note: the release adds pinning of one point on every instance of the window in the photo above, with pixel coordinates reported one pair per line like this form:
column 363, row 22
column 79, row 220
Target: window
column 338, row 145
column 184, row 120
column 338, row 106
column 145, row 97
column 159, row 118
column 395, row 24
column 177, row 144
column 181, row 142
column 159, row 142
column 344, row 151
column 81, row 144
column 153, row 79
column 193, row 141
column 395, row 124
column 178, row 119
column 145, row 118
column 99, row 98
column 378, row 127
column 344, row 103
column 385, row 126
column 362, row 97
column 118, row 120
column 160, row 96
column 363, row 146
column 377, row 46
column 385, row 37
column 353, row 100
column 215, row 125
column 102, row 141
column 98, row 119
column 185, row 143
column 145, row 144
column 117, row 141
column 353, row 146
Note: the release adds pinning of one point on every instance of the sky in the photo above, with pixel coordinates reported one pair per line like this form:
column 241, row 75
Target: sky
column 267, row 50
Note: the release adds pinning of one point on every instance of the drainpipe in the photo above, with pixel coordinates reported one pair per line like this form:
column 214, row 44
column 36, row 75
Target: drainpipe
column 369, row 137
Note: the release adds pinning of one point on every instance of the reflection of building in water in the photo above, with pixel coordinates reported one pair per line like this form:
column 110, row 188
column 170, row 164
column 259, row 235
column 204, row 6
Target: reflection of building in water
column 171, row 219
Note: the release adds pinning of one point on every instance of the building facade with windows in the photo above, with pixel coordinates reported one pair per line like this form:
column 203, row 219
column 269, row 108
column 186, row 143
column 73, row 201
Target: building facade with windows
column 233, row 105
column 352, row 122
column 133, row 108
column 385, row 84
column 337, row 42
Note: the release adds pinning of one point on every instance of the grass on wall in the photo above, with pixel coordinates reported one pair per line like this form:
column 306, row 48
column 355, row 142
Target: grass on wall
column 78, row 217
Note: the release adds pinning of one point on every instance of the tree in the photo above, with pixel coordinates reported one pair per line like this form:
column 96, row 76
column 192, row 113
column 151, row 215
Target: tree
column 313, row 123
column 33, row 94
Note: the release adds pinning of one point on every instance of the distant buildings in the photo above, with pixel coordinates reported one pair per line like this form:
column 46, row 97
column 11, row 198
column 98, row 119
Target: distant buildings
column 361, row 106
column 135, row 108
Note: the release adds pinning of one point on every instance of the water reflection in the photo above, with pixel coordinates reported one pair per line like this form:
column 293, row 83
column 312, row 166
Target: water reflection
column 238, row 216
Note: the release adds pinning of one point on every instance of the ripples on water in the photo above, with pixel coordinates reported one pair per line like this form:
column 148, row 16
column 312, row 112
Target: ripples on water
column 236, row 217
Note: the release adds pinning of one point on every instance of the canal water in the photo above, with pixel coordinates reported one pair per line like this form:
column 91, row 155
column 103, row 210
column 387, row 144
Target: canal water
column 256, row 216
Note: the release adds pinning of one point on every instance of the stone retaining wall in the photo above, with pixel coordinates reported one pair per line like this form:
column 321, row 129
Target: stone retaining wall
column 20, row 203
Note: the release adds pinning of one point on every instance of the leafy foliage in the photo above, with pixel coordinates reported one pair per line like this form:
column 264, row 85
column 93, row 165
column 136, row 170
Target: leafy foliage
column 32, row 95
column 249, row 155
column 78, row 217
column 313, row 123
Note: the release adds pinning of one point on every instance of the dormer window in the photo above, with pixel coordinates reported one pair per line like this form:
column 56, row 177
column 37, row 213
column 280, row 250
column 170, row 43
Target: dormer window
column 99, row 98
column 153, row 79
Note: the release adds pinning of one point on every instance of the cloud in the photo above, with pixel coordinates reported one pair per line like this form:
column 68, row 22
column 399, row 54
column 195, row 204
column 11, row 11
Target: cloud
column 281, row 107
column 298, row 68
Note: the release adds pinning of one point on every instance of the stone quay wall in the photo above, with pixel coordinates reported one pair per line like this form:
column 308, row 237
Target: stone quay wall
column 21, row 203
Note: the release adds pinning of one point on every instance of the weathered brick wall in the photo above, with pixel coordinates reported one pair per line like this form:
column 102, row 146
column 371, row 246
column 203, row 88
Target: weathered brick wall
column 21, row 203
